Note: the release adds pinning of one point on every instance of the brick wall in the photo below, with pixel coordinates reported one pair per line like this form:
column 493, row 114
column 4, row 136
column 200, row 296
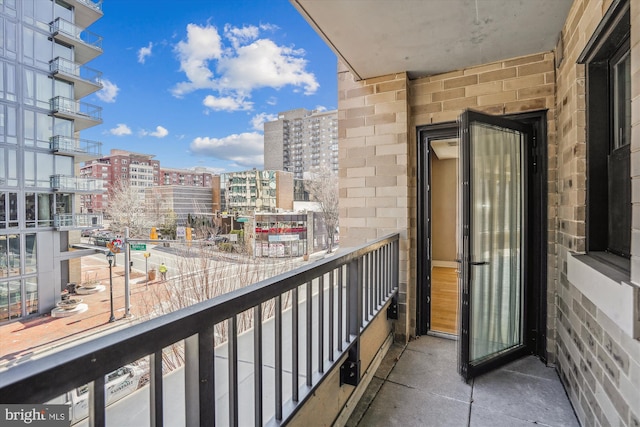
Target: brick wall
column 374, row 177
column 598, row 361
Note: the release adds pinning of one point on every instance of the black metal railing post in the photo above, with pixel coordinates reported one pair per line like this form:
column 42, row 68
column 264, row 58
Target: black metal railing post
column 350, row 369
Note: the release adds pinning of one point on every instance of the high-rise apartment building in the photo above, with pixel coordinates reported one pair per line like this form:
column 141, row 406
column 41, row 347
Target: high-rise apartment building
column 302, row 141
column 44, row 47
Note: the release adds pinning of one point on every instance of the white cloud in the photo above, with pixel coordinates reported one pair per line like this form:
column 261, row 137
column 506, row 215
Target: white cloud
column 120, row 130
column 321, row 108
column 265, row 64
column 144, row 52
column 240, row 64
column 203, row 44
column 245, row 149
column 226, row 103
column 257, row 121
column 108, row 92
column 238, row 36
column 160, row 132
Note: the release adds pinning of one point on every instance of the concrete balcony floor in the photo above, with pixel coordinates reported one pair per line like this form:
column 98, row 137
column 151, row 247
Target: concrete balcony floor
column 418, row 385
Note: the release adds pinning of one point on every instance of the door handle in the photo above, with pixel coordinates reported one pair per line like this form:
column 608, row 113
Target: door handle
column 479, row 262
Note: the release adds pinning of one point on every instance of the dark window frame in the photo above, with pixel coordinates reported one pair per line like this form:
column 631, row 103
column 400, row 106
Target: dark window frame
column 608, row 209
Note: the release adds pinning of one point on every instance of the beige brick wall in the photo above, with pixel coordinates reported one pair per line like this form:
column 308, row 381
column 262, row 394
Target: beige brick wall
column 374, row 178
column 598, row 362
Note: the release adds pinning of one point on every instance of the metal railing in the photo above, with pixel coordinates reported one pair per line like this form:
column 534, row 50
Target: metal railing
column 62, row 65
column 76, row 183
column 72, row 145
column 77, row 220
column 76, row 33
column 93, row 4
column 330, row 303
column 64, row 105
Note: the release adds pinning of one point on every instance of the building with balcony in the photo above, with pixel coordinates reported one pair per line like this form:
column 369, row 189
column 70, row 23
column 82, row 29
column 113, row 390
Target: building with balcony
column 253, row 190
column 43, row 79
column 302, row 141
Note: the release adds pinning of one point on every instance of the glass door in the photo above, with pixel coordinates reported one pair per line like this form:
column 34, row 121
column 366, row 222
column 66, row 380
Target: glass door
column 492, row 244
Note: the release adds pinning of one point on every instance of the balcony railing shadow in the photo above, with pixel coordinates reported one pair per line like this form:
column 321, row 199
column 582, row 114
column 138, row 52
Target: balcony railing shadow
column 265, row 372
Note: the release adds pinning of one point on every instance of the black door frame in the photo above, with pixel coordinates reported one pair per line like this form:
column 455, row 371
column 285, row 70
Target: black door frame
column 536, row 312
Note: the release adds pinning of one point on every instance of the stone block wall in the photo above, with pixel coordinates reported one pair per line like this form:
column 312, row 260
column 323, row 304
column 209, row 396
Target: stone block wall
column 377, row 185
column 597, row 358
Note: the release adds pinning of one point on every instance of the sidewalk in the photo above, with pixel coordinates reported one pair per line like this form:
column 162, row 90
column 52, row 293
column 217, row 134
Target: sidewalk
column 26, row 339
column 29, row 338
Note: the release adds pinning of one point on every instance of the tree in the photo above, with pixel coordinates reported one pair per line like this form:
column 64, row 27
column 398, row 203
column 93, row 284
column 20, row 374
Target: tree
column 323, row 189
column 127, row 209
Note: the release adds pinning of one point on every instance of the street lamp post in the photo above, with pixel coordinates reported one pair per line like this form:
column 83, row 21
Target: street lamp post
column 110, row 257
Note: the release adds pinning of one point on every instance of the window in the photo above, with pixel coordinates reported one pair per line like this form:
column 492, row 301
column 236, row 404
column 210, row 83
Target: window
column 608, row 88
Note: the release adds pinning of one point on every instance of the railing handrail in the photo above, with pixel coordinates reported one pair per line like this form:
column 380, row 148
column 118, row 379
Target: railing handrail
column 91, row 39
column 95, row 75
column 72, row 144
column 93, row 4
column 59, row 372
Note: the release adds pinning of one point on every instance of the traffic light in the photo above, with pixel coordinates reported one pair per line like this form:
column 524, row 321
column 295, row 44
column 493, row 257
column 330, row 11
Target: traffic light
column 236, row 214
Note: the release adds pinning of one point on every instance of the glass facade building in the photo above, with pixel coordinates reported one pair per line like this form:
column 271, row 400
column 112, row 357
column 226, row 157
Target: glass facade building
column 44, row 46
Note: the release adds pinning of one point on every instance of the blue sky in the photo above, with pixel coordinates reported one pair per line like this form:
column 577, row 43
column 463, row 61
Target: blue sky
column 193, row 81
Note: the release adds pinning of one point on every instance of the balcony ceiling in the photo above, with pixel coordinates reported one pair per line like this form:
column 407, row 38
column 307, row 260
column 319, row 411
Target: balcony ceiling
column 426, row 37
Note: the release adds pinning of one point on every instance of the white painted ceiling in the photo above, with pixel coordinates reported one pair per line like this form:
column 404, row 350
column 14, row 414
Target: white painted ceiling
column 426, row 37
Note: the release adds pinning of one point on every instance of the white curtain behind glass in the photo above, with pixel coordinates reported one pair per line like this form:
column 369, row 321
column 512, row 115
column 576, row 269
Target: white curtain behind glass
column 496, row 229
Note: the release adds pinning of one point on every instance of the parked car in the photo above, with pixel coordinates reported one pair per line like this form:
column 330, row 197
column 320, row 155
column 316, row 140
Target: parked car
column 118, row 384
column 214, row 240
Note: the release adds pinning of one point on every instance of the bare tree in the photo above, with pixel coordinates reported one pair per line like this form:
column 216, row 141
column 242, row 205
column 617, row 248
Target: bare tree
column 323, row 189
column 204, row 273
column 127, row 209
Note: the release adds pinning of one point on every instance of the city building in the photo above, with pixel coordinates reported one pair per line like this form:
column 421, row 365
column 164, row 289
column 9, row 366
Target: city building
column 287, row 234
column 184, row 202
column 253, row 190
column 43, row 77
column 198, row 177
column 302, row 141
column 137, row 170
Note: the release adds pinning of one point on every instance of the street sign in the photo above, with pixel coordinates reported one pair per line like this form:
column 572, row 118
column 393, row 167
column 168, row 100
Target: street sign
column 138, row 247
column 242, row 220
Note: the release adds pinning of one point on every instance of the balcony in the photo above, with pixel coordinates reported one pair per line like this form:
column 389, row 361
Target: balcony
column 86, row 11
column 325, row 325
column 81, row 150
column 76, row 221
column 84, row 115
column 85, row 80
column 87, row 45
column 75, row 184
